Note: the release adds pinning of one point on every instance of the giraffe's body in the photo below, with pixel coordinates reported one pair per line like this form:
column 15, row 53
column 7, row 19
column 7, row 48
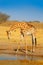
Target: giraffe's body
column 25, row 29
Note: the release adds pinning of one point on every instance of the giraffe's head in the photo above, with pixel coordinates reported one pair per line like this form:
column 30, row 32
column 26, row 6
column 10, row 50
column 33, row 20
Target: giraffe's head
column 8, row 34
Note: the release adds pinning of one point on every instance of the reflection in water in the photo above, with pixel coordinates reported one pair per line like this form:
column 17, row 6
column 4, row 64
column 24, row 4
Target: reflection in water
column 18, row 57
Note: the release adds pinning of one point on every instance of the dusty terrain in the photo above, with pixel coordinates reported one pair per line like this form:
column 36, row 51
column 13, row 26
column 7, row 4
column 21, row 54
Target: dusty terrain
column 20, row 62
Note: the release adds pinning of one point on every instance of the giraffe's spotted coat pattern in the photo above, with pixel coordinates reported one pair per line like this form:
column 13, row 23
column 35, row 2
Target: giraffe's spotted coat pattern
column 22, row 25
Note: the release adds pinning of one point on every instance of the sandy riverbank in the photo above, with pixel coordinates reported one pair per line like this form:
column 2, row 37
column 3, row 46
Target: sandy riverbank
column 20, row 62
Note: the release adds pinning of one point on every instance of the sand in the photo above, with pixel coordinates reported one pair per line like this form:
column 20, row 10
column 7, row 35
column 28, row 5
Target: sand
column 20, row 62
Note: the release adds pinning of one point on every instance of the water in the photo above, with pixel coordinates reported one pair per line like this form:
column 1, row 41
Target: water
column 19, row 57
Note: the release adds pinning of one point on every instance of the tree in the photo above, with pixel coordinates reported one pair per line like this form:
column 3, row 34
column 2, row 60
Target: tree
column 3, row 17
column 34, row 21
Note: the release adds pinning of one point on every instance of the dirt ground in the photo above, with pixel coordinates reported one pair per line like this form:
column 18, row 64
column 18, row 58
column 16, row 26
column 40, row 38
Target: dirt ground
column 20, row 62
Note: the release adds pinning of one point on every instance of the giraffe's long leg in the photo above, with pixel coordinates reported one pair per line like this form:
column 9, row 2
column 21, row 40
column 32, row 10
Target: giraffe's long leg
column 8, row 34
column 32, row 42
column 35, row 42
column 24, row 40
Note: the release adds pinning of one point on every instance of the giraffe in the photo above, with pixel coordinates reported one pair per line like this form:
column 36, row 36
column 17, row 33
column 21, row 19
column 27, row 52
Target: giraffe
column 25, row 29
